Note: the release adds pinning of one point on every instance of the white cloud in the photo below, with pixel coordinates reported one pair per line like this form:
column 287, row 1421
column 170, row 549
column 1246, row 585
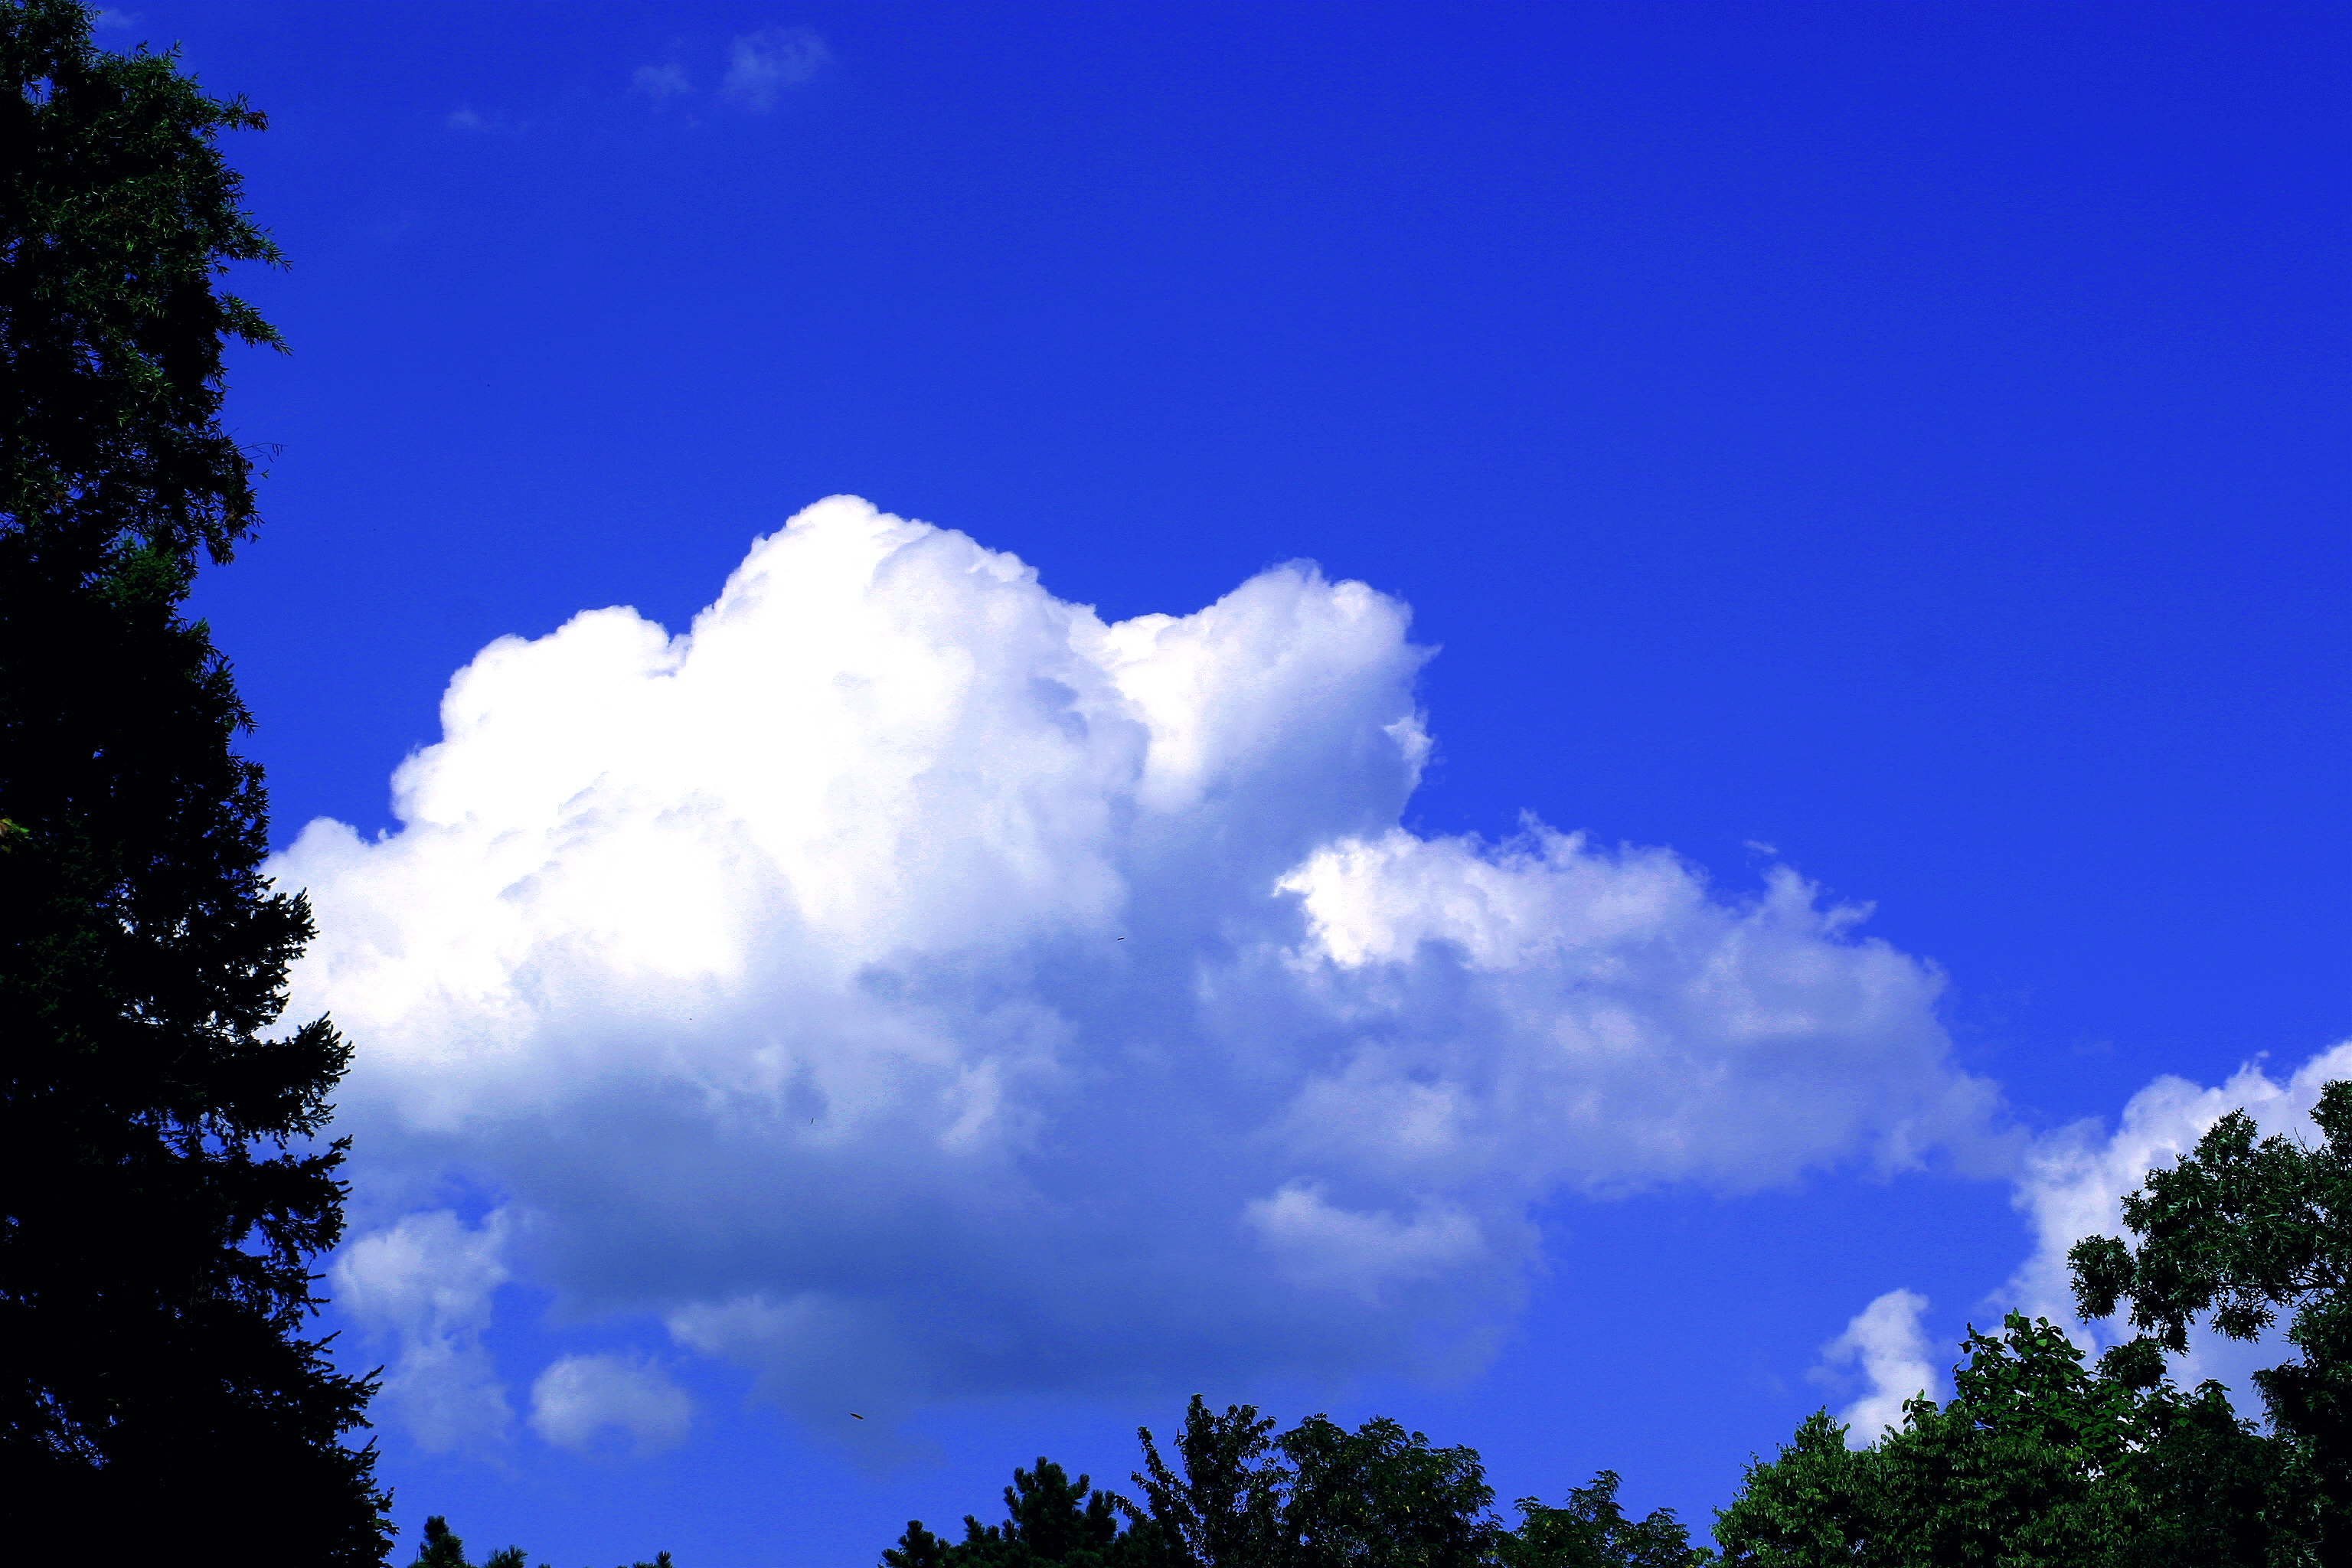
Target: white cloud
column 426, row 1284
column 661, row 82
column 761, row 66
column 1317, row 1245
column 580, row 1396
column 2075, row 1181
column 1893, row 1356
column 906, row 984
column 110, row 20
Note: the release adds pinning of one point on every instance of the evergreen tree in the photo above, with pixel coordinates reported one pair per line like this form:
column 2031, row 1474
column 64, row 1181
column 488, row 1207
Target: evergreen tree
column 441, row 1547
column 163, row 1195
column 1049, row 1522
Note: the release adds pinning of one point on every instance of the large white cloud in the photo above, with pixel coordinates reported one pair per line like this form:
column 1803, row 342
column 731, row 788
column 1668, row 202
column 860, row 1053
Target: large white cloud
column 906, row 984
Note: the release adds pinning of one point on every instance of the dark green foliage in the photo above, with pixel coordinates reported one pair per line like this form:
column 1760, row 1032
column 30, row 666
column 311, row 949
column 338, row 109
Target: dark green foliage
column 1048, row 1520
column 1381, row 1497
column 1593, row 1532
column 1226, row 1510
column 163, row 1201
column 441, row 1548
column 1317, row 1496
column 919, row 1548
column 2011, row 1470
column 2238, row 1233
column 2038, row 1461
column 1815, row 1505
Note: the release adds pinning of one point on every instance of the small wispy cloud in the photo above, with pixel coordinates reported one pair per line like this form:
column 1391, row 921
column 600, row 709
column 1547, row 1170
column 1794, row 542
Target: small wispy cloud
column 583, row 1395
column 468, row 120
column 1894, row 1353
column 761, row 66
column 424, row 1285
column 109, row 20
column 658, row 82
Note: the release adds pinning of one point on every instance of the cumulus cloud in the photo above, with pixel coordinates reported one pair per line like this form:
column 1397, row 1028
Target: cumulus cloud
column 583, row 1395
column 2074, row 1180
column 761, row 66
column 1894, row 1357
column 908, row 984
column 425, row 1285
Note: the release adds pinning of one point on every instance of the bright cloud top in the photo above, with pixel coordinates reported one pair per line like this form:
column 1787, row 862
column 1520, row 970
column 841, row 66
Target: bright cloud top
column 906, row 984
column 1885, row 1340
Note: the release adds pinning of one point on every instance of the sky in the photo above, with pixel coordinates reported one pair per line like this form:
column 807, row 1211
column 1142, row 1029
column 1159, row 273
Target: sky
column 1573, row 721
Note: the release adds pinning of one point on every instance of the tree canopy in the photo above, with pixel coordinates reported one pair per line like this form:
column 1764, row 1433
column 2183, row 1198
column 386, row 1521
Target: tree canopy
column 1317, row 1496
column 2237, row 1233
column 165, row 1191
column 2041, row 1458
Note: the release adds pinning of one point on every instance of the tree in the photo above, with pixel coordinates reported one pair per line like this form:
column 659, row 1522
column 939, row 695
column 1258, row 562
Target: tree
column 1317, row 1496
column 1225, row 1509
column 1814, row 1505
column 164, row 1190
column 1593, row 1532
column 2039, row 1461
column 1381, row 1497
column 1047, row 1520
column 442, row 1548
column 2238, row 1232
column 2015, row 1469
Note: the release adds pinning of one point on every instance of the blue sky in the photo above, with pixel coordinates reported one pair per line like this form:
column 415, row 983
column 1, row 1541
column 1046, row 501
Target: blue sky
column 1885, row 458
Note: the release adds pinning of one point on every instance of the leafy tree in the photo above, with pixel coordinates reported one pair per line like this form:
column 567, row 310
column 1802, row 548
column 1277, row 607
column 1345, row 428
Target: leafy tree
column 2239, row 1232
column 1226, row 1510
column 1381, row 1497
column 1814, row 1505
column 2011, row 1470
column 2211, row 1492
column 1593, row 1532
column 2038, row 1460
column 163, row 1199
column 1317, row 1496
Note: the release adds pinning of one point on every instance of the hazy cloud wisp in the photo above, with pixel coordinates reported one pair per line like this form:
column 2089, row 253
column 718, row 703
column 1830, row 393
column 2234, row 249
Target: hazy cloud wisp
column 763, row 65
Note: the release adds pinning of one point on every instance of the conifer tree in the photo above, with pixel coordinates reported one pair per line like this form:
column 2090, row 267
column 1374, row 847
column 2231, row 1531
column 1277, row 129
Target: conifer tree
column 165, row 1191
